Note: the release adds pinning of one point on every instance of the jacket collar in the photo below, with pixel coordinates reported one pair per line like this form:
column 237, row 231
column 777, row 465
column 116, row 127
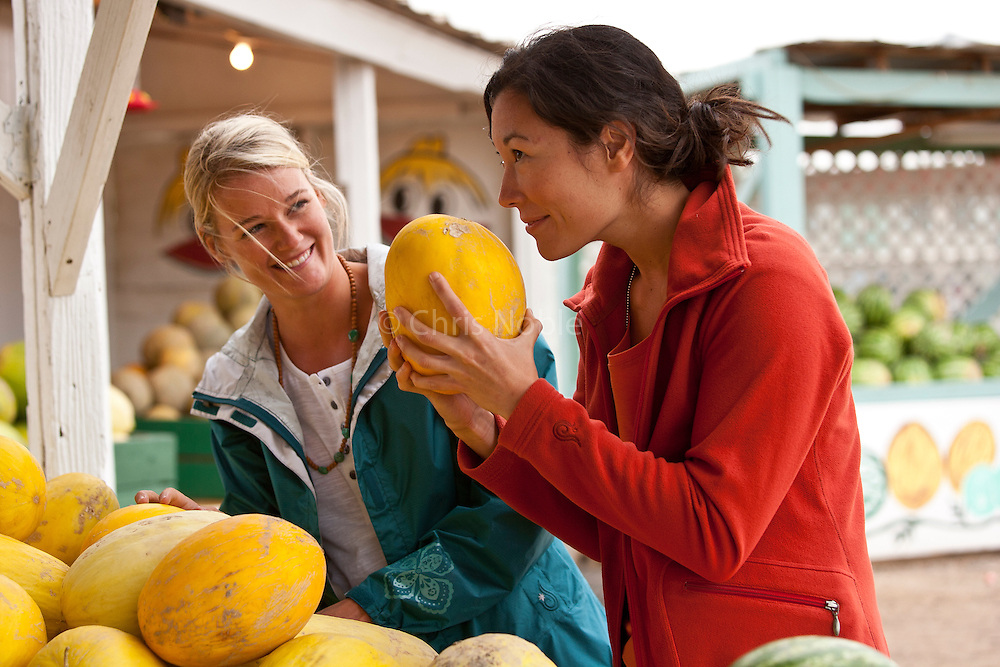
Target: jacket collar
column 708, row 245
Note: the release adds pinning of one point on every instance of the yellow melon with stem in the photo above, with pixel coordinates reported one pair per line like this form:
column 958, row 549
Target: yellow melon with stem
column 477, row 265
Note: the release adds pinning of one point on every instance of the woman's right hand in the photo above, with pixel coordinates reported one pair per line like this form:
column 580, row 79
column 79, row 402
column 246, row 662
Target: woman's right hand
column 474, row 425
column 169, row 496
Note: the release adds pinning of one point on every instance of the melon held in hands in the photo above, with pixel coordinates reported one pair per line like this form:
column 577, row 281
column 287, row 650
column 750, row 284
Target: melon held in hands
column 478, row 266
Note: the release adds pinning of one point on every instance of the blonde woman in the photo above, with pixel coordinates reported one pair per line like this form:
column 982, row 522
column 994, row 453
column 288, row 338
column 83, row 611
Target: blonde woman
column 309, row 424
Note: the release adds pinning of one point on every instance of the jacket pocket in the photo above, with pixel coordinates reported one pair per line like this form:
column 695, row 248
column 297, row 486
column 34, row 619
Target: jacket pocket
column 770, row 595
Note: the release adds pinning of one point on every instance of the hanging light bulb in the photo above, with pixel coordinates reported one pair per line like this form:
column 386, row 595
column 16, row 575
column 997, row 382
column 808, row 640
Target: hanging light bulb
column 241, row 57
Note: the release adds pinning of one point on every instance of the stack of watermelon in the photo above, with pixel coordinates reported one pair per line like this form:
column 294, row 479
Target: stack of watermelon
column 915, row 342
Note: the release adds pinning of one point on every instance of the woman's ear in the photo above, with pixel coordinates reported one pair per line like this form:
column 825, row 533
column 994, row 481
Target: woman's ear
column 618, row 138
column 212, row 248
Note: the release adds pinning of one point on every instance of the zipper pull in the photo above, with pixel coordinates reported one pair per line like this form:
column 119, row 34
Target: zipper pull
column 834, row 608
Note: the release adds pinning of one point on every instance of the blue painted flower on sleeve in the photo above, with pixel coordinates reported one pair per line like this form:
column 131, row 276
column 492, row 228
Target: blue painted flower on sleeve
column 420, row 577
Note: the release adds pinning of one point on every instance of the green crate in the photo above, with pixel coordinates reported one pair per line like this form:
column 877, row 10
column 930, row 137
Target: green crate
column 145, row 461
column 197, row 475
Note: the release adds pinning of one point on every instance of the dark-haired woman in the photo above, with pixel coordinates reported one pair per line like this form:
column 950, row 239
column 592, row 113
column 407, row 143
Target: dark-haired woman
column 710, row 455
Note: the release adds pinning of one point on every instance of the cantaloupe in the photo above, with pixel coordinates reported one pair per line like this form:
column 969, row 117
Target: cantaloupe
column 233, row 294
column 132, row 379
column 161, row 338
column 74, row 503
column 22, row 490
column 40, row 575
column 406, row 649
column 493, row 648
column 22, row 629
column 102, row 586
column 478, row 266
column 172, row 385
column 319, row 649
column 231, row 592
column 96, row 646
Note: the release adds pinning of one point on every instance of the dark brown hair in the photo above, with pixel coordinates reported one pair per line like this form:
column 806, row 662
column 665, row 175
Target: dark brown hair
column 581, row 79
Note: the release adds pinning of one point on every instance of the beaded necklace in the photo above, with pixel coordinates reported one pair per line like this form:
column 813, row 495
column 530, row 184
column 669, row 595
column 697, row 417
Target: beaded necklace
column 354, row 337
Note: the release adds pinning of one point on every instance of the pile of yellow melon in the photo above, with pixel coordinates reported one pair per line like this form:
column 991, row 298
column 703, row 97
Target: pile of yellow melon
column 86, row 583
column 173, row 355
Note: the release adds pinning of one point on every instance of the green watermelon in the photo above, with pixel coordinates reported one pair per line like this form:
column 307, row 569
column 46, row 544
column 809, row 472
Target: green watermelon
column 12, row 371
column 875, row 302
column 991, row 365
column 958, row 368
column 907, row 322
column 929, row 301
column 880, row 343
column 870, row 372
column 814, row 651
column 912, row 370
column 981, row 340
column 934, row 342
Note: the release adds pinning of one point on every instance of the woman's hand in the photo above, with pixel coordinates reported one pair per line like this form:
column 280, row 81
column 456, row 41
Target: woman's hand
column 169, row 496
column 347, row 608
column 473, row 425
column 493, row 372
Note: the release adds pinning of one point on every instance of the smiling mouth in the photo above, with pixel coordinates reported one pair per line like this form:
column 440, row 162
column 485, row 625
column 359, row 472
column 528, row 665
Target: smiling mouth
column 300, row 259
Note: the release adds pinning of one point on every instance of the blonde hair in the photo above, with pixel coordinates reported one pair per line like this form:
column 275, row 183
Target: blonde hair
column 250, row 143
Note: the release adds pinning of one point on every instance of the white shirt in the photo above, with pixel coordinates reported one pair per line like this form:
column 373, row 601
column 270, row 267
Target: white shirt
column 348, row 538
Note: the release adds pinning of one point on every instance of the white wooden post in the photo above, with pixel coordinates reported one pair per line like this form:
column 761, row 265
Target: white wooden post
column 355, row 126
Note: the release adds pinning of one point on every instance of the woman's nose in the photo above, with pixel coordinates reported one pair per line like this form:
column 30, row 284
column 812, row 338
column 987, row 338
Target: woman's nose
column 509, row 193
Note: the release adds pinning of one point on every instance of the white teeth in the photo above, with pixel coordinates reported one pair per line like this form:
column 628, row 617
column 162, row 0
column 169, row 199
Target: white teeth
column 298, row 260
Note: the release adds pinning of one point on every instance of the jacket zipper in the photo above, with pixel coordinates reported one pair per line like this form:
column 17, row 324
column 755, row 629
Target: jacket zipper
column 831, row 606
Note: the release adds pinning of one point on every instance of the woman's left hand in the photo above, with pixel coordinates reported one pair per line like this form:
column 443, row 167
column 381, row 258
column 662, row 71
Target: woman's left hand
column 347, row 608
column 493, row 372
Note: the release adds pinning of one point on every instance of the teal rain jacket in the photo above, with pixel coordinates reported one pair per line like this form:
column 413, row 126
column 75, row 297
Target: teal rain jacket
column 460, row 561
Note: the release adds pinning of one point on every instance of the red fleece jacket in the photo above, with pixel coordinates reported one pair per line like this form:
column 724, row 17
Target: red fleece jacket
column 713, row 469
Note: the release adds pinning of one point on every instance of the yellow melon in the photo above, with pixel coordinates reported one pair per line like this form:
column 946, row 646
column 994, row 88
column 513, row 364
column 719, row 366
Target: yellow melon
column 232, row 592
column 123, row 516
column 22, row 629
column 974, row 444
column 22, row 490
column 74, row 503
column 478, row 266
column 8, row 403
column 328, row 649
column 913, row 466
column 96, row 646
column 493, row 648
column 102, row 586
column 12, row 370
column 40, row 575
column 122, row 414
column 406, row 649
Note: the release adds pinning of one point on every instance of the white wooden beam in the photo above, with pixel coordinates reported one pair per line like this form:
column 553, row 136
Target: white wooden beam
column 15, row 175
column 355, row 125
column 95, row 122
column 66, row 337
column 369, row 33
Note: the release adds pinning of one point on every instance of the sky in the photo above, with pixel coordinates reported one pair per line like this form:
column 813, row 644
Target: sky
column 693, row 35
